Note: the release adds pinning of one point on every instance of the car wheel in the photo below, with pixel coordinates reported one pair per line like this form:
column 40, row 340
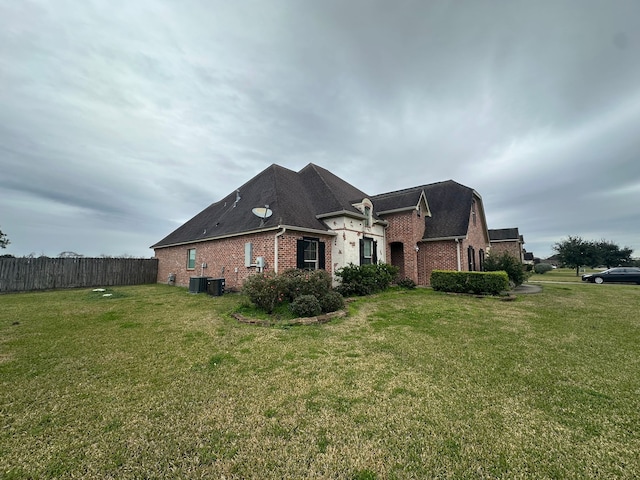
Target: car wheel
column 599, row 280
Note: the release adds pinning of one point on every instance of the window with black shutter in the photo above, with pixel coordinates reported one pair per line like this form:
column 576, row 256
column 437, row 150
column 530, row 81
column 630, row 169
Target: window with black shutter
column 368, row 253
column 471, row 253
column 310, row 254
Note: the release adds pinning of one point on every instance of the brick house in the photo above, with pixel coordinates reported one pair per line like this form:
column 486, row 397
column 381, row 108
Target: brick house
column 312, row 219
column 507, row 240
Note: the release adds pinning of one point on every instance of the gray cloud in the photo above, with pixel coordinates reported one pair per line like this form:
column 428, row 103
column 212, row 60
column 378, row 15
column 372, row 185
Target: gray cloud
column 120, row 120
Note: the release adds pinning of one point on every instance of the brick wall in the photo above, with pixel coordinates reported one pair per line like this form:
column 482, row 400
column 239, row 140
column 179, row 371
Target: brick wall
column 443, row 255
column 512, row 248
column 440, row 255
column 406, row 228
column 476, row 238
column 225, row 258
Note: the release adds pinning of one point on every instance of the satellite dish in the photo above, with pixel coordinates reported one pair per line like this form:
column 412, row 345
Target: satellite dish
column 262, row 212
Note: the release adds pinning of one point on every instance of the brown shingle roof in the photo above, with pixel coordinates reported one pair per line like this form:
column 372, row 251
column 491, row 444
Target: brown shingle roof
column 298, row 198
column 449, row 203
column 504, row 234
column 295, row 198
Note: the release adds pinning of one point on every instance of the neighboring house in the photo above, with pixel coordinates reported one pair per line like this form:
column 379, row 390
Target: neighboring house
column 528, row 258
column 507, row 240
column 553, row 260
column 312, row 219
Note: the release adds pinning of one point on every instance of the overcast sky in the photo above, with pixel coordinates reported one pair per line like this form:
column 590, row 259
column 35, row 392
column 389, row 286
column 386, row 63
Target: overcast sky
column 119, row 121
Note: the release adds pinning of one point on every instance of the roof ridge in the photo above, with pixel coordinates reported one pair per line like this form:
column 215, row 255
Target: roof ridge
column 314, row 167
column 418, row 187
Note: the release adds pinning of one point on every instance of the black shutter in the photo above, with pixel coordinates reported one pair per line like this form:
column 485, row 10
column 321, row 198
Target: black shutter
column 374, row 253
column 361, row 252
column 321, row 260
column 300, row 254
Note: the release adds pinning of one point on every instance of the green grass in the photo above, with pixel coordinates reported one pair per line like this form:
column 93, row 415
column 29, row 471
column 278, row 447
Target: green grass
column 561, row 275
column 156, row 383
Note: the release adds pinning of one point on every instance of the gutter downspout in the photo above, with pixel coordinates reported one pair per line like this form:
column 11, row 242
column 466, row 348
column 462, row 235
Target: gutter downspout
column 458, row 254
column 275, row 252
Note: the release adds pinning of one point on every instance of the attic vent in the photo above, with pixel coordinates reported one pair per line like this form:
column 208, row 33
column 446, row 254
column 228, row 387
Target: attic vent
column 237, row 198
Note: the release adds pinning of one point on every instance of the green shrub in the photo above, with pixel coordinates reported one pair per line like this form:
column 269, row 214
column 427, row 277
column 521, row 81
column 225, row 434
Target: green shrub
column 507, row 263
column 365, row 279
column 542, row 268
column 266, row 290
column 306, row 306
column 331, row 301
column 304, row 282
column 485, row 283
column 406, row 283
column 272, row 293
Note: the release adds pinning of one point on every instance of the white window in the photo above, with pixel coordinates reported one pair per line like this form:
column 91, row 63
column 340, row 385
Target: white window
column 191, row 259
column 311, row 255
column 367, row 251
column 367, row 214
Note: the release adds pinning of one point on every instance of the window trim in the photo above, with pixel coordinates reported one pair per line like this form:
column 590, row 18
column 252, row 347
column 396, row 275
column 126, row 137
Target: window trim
column 319, row 263
column 373, row 258
column 311, row 264
column 189, row 259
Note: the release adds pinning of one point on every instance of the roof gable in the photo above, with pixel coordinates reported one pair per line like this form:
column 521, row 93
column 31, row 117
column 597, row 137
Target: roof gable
column 449, row 205
column 401, row 200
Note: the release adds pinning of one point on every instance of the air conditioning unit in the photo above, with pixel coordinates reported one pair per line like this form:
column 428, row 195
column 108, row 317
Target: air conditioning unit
column 198, row 284
column 215, row 286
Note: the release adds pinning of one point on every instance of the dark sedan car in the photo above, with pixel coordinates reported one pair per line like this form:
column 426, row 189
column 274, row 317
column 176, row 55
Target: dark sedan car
column 618, row 274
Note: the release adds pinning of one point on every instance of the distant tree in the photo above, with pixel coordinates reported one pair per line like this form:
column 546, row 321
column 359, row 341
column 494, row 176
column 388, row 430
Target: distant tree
column 575, row 252
column 69, row 255
column 611, row 255
column 4, row 241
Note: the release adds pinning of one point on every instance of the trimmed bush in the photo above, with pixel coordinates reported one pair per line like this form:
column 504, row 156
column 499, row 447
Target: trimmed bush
column 305, row 282
column 507, row 263
column 485, row 283
column 542, row 268
column 266, row 290
column 306, row 306
column 331, row 301
column 271, row 292
column 359, row 280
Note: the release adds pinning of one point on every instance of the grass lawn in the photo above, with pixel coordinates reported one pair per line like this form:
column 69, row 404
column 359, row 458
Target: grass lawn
column 562, row 275
column 153, row 382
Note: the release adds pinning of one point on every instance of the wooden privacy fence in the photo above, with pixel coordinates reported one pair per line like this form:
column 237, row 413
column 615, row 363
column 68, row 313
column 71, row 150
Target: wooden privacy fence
column 25, row 274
